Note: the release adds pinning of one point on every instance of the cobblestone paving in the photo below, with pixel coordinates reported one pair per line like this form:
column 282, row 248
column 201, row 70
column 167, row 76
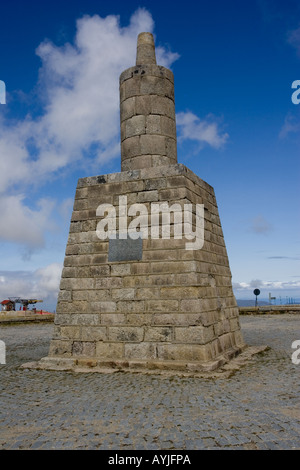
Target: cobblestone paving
column 256, row 408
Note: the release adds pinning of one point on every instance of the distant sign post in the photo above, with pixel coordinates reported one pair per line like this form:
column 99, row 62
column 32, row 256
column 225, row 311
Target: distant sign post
column 256, row 292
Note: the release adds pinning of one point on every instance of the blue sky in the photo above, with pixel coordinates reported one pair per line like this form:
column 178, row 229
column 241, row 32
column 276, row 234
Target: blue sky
column 234, row 64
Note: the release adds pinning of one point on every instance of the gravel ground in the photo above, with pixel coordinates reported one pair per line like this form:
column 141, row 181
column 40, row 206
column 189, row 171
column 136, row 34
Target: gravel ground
column 256, row 408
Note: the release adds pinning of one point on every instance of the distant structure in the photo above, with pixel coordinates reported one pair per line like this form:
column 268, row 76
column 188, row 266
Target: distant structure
column 140, row 297
column 2, row 92
column 10, row 303
column 7, row 305
column 271, row 298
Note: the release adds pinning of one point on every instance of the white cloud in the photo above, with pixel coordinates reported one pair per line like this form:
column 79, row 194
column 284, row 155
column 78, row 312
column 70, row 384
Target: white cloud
column 66, row 208
column 165, row 57
column 294, row 39
column 79, row 86
column 240, row 285
column 48, row 279
column 260, row 225
column 256, row 283
column 204, row 131
column 79, row 92
column 23, row 225
column 291, row 126
column 42, row 284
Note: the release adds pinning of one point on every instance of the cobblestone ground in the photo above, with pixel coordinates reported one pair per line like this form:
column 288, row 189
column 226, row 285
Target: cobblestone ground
column 256, row 408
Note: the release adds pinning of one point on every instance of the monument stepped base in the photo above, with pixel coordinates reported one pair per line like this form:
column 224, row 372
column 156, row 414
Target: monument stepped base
column 224, row 366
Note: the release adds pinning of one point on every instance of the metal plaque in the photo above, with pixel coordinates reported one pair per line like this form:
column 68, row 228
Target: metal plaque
column 125, row 250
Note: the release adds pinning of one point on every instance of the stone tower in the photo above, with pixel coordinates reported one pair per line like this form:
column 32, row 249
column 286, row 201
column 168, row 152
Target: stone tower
column 137, row 291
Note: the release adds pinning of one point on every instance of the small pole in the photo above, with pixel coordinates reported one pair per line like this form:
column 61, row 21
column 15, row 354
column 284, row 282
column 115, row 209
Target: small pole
column 256, row 292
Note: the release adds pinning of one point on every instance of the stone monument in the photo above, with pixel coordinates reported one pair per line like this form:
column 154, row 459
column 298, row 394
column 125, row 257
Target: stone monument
column 146, row 283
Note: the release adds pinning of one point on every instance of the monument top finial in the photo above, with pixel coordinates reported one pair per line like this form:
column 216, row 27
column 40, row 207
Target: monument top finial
column 145, row 49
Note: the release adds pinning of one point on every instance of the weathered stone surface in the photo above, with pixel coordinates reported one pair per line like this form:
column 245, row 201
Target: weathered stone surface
column 109, row 350
column 147, row 109
column 140, row 351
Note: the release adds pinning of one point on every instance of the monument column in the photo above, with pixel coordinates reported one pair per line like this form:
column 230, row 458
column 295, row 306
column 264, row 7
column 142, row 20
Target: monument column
column 147, row 110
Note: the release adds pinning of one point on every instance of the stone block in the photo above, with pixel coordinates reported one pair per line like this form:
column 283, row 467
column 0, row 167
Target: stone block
column 168, row 127
column 113, row 319
column 120, row 269
column 65, row 295
column 127, row 306
column 234, row 324
column 138, row 319
column 136, row 125
column 187, row 319
column 226, row 341
column 173, row 266
column 67, row 332
column 99, row 271
column 147, row 196
column 155, row 255
column 153, row 124
column 191, row 305
column 194, row 334
column 81, row 294
column 171, row 148
column 152, row 144
column 122, row 294
column 157, row 183
column 129, row 334
column 131, row 147
column 141, row 161
column 179, row 292
column 108, row 282
column 60, row 347
column 147, row 293
column 103, row 307
column 83, row 283
column 174, row 194
column 81, row 193
column 140, row 351
column 143, row 104
column 183, row 352
column 93, row 333
column 83, row 348
column 133, row 186
column 161, row 306
column 128, row 109
column 86, row 319
column 238, row 339
column 101, row 294
column 159, row 334
column 132, row 87
column 140, row 268
column 162, row 105
column 111, row 351
column 151, row 85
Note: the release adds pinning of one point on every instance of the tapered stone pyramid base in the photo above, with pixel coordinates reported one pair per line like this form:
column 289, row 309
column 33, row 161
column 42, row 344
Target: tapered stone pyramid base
column 157, row 305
